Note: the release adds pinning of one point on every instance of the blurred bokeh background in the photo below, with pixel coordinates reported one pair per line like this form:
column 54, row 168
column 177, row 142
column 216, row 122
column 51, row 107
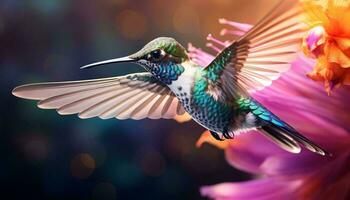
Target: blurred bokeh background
column 47, row 156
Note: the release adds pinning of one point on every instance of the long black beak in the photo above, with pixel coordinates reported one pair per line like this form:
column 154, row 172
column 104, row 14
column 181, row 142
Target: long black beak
column 115, row 60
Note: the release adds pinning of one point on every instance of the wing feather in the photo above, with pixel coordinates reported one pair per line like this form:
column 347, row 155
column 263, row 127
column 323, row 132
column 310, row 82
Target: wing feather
column 135, row 96
column 262, row 54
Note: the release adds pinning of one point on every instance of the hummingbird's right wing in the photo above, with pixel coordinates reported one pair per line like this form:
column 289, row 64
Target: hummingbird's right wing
column 260, row 56
column 134, row 96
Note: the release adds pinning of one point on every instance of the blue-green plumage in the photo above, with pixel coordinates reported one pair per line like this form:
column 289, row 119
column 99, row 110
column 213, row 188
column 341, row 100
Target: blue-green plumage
column 249, row 105
column 211, row 113
column 227, row 118
column 168, row 72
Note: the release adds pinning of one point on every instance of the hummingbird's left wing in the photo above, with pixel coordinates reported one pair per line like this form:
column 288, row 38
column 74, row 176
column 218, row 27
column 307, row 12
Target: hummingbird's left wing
column 135, row 96
column 260, row 56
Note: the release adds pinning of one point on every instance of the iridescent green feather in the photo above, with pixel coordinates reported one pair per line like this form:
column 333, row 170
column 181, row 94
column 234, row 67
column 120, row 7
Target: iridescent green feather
column 250, row 105
column 169, row 45
column 214, row 70
column 206, row 101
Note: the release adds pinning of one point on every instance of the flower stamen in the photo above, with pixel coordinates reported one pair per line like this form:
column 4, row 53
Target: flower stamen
column 241, row 26
column 213, row 47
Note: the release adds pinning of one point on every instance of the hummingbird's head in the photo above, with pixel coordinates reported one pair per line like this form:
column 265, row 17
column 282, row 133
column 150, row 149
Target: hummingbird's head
column 161, row 50
column 162, row 57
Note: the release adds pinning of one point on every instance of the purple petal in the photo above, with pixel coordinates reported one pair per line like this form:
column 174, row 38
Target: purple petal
column 265, row 188
column 251, row 151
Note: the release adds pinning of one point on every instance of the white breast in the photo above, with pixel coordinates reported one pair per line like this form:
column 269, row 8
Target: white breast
column 185, row 81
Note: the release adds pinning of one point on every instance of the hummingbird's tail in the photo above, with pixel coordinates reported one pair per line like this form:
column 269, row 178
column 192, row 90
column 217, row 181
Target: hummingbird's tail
column 289, row 139
column 275, row 129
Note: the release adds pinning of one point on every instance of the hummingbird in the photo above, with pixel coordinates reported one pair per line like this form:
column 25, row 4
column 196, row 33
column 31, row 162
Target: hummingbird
column 216, row 96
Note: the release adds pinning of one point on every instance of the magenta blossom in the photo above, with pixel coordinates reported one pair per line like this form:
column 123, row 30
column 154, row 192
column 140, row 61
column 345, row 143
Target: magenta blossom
column 280, row 174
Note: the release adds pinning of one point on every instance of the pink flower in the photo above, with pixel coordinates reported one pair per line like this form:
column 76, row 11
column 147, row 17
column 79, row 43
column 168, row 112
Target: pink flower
column 281, row 175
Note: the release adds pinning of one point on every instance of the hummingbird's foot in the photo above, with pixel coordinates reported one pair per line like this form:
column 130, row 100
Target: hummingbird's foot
column 227, row 135
column 216, row 136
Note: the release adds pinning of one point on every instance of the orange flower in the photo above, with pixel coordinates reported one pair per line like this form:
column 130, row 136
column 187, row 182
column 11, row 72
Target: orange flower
column 207, row 138
column 328, row 41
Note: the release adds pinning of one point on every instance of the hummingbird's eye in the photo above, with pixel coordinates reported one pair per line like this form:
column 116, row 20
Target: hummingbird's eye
column 157, row 55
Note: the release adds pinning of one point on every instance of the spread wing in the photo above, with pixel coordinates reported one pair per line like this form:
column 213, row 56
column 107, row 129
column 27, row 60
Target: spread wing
column 261, row 55
column 135, row 96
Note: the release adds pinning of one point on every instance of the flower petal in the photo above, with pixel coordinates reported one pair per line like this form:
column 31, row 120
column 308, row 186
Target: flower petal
column 250, row 152
column 206, row 137
column 265, row 188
